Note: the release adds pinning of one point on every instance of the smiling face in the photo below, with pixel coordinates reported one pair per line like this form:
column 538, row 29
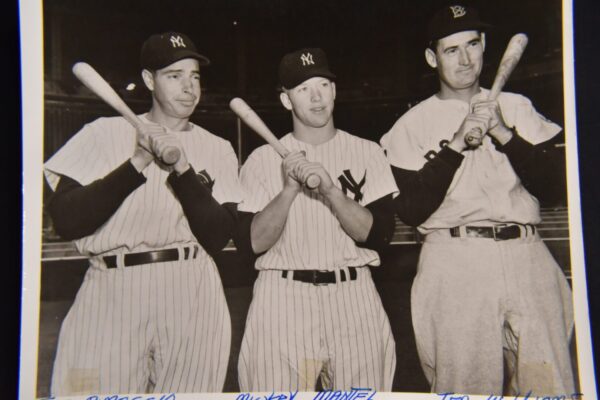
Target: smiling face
column 175, row 90
column 458, row 59
column 311, row 102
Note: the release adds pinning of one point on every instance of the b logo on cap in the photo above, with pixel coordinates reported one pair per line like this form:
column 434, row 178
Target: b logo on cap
column 177, row 41
column 307, row 59
column 457, row 11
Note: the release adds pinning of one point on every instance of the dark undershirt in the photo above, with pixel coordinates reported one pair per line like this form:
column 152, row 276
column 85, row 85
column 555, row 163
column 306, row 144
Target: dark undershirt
column 69, row 206
column 422, row 191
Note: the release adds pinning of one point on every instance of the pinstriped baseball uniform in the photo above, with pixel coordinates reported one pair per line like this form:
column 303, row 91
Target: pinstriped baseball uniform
column 467, row 289
column 297, row 331
column 172, row 312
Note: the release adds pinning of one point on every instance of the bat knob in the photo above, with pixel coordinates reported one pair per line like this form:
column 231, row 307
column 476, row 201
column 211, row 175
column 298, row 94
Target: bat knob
column 170, row 155
column 312, row 182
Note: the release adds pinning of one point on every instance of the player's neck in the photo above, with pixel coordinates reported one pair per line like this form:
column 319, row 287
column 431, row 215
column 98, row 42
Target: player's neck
column 312, row 135
column 171, row 123
column 465, row 94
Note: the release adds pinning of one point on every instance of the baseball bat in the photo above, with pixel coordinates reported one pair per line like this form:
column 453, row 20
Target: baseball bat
column 249, row 116
column 94, row 81
column 510, row 59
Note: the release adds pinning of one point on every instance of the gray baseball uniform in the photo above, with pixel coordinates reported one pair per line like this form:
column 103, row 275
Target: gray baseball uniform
column 479, row 295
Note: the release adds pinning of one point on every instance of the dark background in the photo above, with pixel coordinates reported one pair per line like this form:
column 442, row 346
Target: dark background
column 353, row 71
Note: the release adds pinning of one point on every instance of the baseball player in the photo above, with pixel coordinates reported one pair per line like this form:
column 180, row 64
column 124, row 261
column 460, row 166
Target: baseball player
column 486, row 284
column 315, row 312
column 151, row 314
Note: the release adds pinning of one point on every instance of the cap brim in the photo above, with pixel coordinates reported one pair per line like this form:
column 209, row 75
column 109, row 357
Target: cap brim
column 311, row 74
column 202, row 60
column 480, row 26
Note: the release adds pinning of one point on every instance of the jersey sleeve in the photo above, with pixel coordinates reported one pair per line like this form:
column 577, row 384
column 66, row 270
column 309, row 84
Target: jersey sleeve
column 401, row 146
column 227, row 186
column 380, row 180
column 81, row 158
column 530, row 124
column 255, row 193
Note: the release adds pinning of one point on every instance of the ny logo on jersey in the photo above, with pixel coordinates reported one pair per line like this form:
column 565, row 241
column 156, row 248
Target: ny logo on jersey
column 177, row 41
column 430, row 155
column 206, row 179
column 458, row 11
column 307, row 59
column 348, row 183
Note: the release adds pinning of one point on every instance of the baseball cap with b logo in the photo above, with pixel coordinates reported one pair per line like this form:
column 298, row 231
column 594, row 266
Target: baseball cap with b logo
column 301, row 65
column 164, row 49
column 453, row 19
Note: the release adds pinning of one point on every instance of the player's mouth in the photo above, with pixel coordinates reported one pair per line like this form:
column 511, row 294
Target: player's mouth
column 318, row 110
column 187, row 103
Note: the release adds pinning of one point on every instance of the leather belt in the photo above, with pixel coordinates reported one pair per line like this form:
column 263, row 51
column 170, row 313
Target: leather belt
column 320, row 277
column 497, row 232
column 149, row 257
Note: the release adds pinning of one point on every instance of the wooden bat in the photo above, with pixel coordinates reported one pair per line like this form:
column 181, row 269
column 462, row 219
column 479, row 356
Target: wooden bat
column 94, row 81
column 510, row 59
column 249, row 116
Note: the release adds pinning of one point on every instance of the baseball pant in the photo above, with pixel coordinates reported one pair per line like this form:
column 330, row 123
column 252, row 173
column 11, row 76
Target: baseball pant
column 297, row 332
column 475, row 300
column 161, row 327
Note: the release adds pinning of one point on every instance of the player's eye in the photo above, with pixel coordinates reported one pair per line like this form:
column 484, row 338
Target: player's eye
column 451, row 50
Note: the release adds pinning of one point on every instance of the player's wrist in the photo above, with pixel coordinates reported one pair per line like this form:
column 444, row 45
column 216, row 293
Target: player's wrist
column 140, row 159
column 457, row 145
column 501, row 133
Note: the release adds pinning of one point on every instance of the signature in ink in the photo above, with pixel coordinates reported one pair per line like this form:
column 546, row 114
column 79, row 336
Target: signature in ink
column 169, row 396
column 353, row 394
column 272, row 396
column 527, row 396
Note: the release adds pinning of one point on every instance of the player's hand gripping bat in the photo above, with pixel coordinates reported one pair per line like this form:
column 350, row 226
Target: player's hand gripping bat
column 247, row 114
column 94, row 81
column 510, row 59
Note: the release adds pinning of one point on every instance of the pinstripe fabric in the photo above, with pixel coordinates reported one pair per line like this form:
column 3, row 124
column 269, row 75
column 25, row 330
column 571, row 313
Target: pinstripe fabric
column 150, row 217
column 299, row 247
column 161, row 327
column 125, row 317
column 297, row 332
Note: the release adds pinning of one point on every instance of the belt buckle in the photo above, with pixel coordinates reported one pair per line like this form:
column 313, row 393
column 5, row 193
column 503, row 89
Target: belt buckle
column 496, row 230
column 314, row 279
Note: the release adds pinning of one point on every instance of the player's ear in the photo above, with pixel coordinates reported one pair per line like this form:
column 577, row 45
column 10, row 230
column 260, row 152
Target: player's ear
column 431, row 58
column 334, row 92
column 285, row 100
column 482, row 35
column 148, row 79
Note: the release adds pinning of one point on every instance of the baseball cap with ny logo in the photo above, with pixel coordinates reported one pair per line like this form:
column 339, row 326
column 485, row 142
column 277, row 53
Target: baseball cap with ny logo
column 164, row 49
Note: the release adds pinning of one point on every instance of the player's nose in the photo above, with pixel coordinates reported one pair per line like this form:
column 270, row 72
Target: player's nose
column 463, row 57
column 315, row 94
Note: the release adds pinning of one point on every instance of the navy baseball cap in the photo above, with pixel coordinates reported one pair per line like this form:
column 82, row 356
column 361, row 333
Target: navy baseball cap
column 164, row 49
column 301, row 65
column 453, row 19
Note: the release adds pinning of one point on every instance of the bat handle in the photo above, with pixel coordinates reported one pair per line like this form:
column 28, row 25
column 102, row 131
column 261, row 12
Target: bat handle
column 169, row 156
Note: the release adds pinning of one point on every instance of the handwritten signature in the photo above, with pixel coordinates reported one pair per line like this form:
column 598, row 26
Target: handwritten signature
column 272, row 396
column 527, row 396
column 170, row 396
column 353, row 394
